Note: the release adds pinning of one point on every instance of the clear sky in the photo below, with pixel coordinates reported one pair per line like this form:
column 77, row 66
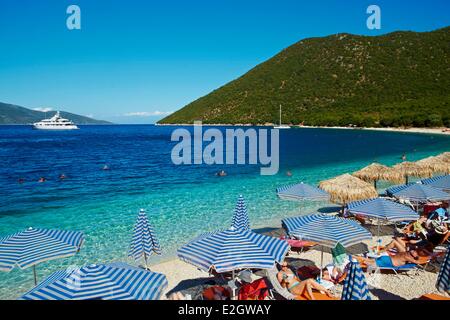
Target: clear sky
column 132, row 61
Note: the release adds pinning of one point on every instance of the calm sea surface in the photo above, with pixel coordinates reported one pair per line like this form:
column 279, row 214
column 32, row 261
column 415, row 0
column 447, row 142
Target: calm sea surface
column 181, row 201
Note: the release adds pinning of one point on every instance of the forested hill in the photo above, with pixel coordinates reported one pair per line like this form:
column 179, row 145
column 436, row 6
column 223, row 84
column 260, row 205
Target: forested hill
column 397, row 79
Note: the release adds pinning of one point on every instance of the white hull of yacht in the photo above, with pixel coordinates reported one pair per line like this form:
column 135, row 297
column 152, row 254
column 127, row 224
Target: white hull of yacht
column 49, row 127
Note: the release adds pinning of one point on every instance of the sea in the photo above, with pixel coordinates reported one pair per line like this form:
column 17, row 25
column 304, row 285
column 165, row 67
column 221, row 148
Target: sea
column 182, row 201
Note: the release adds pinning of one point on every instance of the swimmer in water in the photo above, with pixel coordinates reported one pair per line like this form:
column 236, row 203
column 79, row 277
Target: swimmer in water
column 21, row 180
column 42, row 179
column 289, row 173
column 62, row 176
column 105, row 167
column 404, row 157
column 221, row 173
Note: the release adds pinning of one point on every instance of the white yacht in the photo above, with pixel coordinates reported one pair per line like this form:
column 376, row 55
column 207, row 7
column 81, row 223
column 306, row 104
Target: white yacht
column 281, row 126
column 55, row 123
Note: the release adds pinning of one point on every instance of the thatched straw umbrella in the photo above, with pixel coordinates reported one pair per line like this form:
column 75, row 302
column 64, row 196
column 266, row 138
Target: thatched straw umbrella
column 412, row 169
column 347, row 188
column 435, row 164
column 375, row 172
column 444, row 157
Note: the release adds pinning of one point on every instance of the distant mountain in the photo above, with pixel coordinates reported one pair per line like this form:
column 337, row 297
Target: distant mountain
column 12, row 114
column 397, row 79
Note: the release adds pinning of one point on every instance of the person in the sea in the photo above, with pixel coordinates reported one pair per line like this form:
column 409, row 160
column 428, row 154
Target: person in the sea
column 21, row 180
column 398, row 260
column 105, row 167
column 296, row 286
column 221, row 173
column 42, row 179
column 289, row 173
column 62, row 176
column 404, row 157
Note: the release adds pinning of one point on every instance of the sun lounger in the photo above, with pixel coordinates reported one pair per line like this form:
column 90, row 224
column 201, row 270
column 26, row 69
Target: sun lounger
column 299, row 246
column 396, row 270
column 317, row 296
column 433, row 296
column 257, row 290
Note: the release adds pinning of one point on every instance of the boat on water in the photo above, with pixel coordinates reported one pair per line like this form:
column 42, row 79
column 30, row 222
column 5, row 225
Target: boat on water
column 281, row 126
column 55, row 123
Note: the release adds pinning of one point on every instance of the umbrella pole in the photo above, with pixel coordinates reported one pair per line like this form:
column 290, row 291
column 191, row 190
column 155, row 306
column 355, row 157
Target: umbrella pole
column 375, row 184
column 234, row 291
column 378, row 241
column 321, row 262
column 145, row 259
column 406, row 179
column 35, row 275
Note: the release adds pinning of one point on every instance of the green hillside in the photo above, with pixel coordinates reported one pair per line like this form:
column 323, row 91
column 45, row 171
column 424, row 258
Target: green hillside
column 398, row 79
column 12, row 114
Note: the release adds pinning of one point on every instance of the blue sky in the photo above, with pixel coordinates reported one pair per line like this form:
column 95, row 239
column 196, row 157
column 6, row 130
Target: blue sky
column 132, row 61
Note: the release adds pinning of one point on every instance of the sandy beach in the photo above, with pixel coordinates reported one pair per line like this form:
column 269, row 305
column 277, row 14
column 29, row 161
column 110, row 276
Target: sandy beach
column 406, row 285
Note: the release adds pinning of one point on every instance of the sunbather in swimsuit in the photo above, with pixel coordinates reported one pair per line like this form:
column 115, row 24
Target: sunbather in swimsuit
column 288, row 280
column 398, row 260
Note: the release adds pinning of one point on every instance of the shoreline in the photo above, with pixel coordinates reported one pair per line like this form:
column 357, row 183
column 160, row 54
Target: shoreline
column 441, row 130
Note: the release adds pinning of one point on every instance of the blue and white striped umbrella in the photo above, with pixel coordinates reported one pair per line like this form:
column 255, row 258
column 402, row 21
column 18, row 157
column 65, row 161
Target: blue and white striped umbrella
column 326, row 230
column 144, row 241
column 233, row 249
column 383, row 208
column 302, row 191
column 240, row 217
column 355, row 285
column 116, row 281
column 440, row 182
column 418, row 192
column 32, row 246
column 443, row 280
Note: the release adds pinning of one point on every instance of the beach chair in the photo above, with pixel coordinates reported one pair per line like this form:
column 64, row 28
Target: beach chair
column 317, row 296
column 298, row 246
column 374, row 269
column 433, row 296
column 257, row 290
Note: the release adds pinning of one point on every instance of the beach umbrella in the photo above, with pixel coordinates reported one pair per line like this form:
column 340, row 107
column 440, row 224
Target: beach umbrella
column 435, row 164
column 144, row 241
column 444, row 156
column 443, row 280
column 326, row 230
column 28, row 248
column 355, row 285
column 375, row 172
column 302, row 191
column 382, row 208
column 240, row 217
column 233, row 249
column 418, row 192
column 440, row 182
column 346, row 188
column 412, row 169
column 115, row 281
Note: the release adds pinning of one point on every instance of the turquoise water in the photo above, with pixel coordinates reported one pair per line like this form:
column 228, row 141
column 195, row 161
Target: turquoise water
column 182, row 201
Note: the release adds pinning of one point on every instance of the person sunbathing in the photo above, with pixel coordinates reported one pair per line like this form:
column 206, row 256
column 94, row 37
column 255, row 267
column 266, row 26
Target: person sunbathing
column 297, row 287
column 398, row 260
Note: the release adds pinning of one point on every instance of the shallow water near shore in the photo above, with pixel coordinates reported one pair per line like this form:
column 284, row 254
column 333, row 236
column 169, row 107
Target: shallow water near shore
column 181, row 201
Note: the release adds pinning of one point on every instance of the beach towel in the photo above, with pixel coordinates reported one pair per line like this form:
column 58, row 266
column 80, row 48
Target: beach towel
column 340, row 257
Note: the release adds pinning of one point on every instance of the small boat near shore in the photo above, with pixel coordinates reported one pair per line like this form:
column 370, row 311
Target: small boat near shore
column 55, row 123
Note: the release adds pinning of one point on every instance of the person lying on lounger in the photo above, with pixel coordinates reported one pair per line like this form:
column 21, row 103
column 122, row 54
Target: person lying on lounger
column 398, row 260
column 297, row 287
column 403, row 245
